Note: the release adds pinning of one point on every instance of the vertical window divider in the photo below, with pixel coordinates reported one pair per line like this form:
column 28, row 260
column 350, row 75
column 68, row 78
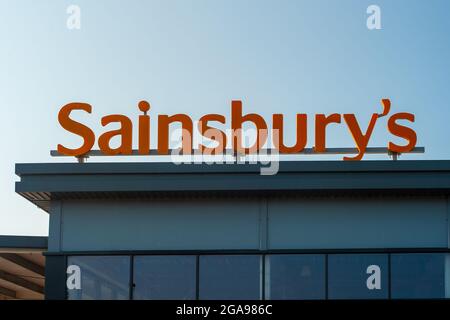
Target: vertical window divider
column 389, row 276
column 66, row 264
column 197, row 277
column 326, row 276
column 263, row 276
column 131, row 277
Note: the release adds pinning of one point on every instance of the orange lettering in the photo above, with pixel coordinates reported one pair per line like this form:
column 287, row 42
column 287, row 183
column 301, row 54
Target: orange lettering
column 125, row 132
column 77, row 128
column 219, row 137
column 163, row 132
column 321, row 125
column 236, row 125
column 144, row 128
column 278, row 134
column 361, row 140
column 210, row 133
column 402, row 132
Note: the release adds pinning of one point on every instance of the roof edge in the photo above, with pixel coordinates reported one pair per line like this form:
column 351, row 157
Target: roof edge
column 23, row 242
column 284, row 166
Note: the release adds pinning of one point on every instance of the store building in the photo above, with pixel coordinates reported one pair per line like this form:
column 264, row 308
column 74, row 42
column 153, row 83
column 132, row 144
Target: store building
column 315, row 230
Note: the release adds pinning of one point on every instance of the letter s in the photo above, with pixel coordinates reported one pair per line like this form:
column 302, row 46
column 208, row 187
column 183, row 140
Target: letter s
column 75, row 127
column 402, row 132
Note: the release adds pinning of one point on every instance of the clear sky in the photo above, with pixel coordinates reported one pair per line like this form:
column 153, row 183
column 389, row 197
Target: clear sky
column 195, row 56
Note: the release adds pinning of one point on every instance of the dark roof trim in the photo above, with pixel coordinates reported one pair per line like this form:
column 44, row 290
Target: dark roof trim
column 23, row 242
column 247, row 251
column 285, row 167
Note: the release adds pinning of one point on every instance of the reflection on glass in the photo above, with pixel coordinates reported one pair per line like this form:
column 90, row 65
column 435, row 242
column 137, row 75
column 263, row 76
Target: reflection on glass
column 418, row 276
column 358, row 276
column 295, row 277
column 102, row 277
column 230, row 277
column 164, row 277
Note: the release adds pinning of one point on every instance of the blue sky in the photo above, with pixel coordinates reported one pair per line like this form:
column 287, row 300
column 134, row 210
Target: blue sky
column 196, row 56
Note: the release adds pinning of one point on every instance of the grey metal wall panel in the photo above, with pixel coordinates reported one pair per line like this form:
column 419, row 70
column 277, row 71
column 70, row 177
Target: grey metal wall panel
column 160, row 225
column 357, row 223
column 54, row 228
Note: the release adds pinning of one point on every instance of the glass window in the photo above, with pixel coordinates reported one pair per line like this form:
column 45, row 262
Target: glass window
column 358, row 276
column 164, row 277
column 101, row 277
column 295, row 277
column 418, row 276
column 230, row 277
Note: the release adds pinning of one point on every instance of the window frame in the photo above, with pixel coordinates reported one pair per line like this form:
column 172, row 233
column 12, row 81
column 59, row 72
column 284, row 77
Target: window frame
column 262, row 254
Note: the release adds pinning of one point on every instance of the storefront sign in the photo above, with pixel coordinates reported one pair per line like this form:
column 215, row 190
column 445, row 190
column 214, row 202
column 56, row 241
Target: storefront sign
column 361, row 134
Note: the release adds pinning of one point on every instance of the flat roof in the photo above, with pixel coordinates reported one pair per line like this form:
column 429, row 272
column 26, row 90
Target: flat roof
column 23, row 243
column 42, row 182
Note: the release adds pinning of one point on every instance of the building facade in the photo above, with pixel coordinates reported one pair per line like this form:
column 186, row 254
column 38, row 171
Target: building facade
column 315, row 230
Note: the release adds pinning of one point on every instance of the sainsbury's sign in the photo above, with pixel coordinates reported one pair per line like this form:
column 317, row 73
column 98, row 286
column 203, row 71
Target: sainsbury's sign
column 205, row 127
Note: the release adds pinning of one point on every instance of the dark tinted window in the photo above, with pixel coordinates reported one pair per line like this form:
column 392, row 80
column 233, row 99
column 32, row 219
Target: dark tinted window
column 295, row 277
column 420, row 276
column 230, row 277
column 164, row 277
column 102, row 277
column 358, row 276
